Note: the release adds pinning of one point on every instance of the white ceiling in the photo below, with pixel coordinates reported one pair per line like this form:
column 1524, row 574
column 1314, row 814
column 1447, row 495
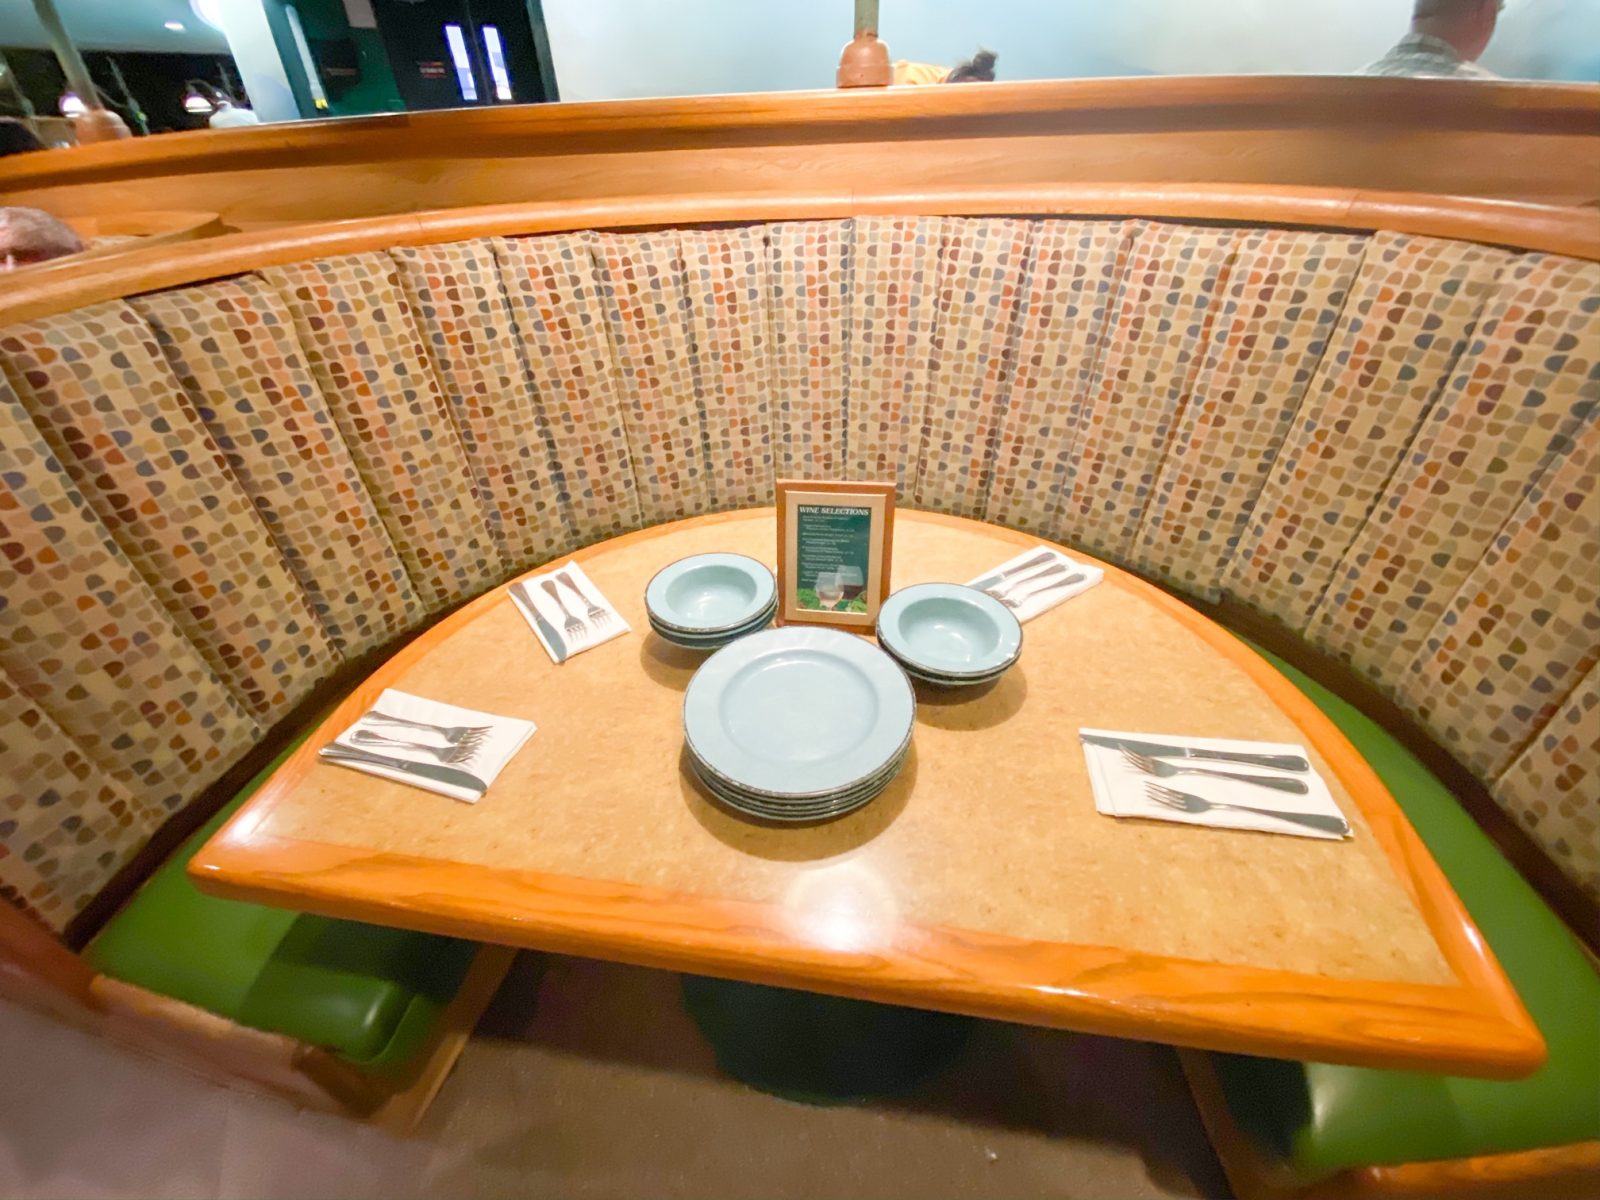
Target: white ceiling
column 115, row 25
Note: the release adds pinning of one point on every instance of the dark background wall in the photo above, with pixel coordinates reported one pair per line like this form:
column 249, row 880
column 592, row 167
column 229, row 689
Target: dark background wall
column 156, row 81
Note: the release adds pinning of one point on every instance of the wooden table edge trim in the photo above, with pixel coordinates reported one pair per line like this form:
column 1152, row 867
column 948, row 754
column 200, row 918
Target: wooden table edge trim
column 1492, row 1034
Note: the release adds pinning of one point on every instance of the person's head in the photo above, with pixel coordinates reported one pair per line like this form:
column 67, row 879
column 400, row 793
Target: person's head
column 29, row 236
column 977, row 69
column 16, row 138
column 1465, row 24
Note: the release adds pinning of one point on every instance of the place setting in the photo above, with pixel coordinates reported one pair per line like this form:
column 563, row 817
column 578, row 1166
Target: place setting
column 1267, row 787
column 457, row 752
column 1035, row 581
column 567, row 612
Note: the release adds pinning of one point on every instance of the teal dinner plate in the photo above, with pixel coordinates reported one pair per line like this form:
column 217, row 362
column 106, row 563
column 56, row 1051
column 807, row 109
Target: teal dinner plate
column 810, row 811
column 866, row 787
column 798, row 713
column 950, row 631
column 709, row 593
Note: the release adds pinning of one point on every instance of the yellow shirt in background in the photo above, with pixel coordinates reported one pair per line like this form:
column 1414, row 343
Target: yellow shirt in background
column 918, row 73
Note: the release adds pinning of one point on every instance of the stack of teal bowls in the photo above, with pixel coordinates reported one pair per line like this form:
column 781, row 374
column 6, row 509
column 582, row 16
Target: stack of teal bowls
column 949, row 635
column 708, row 600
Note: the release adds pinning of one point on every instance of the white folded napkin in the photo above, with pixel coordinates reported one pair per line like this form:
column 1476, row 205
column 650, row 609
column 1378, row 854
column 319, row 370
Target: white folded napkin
column 1121, row 789
column 489, row 753
column 533, row 601
column 1039, row 580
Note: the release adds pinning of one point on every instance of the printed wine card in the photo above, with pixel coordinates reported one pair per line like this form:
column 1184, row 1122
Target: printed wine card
column 834, row 544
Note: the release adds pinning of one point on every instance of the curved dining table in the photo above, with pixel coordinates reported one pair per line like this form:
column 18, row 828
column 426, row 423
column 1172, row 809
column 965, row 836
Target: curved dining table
column 983, row 881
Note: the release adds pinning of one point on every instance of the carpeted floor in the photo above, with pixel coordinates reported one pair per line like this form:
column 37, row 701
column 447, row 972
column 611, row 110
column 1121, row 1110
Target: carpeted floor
column 588, row 1079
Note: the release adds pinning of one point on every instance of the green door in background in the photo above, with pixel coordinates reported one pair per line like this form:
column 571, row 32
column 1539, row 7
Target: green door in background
column 462, row 53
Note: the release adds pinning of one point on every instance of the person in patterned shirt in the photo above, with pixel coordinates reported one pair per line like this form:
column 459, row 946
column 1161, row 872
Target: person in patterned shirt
column 1445, row 40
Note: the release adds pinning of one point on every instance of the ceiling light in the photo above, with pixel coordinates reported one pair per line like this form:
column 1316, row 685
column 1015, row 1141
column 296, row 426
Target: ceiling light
column 209, row 11
column 70, row 106
column 175, row 26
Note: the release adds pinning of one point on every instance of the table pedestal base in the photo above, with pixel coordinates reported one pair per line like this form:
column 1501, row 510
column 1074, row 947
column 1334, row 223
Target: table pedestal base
column 820, row 1049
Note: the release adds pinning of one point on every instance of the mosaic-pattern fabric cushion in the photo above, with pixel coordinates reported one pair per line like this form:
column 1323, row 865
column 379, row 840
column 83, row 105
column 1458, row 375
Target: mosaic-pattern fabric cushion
column 362, row 343
column 647, row 308
column 726, row 285
column 97, row 386
column 1551, row 787
column 1284, row 292
column 1153, row 345
column 233, row 347
column 1061, row 329
column 1514, row 402
column 460, row 305
column 894, row 280
column 557, row 304
column 808, row 309
column 65, row 825
column 1408, row 318
column 111, row 718
column 1524, row 625
column 979, row 305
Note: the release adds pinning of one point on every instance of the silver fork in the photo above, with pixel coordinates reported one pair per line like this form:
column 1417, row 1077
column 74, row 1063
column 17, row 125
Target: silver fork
column 453, row 734
column 1019, row 601
column 446, row 754
column 598, row 616
column 1190, row 803
column 1153, row 766
column 574, row 627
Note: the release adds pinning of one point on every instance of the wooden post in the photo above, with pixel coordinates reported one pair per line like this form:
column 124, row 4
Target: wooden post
column 98, row 123
column 865, row 61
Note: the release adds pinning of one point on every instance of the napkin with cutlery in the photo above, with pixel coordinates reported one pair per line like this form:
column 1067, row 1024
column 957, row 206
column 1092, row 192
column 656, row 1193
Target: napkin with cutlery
column 1265, row 786
column 567, row 612
column 1037, row 580
column 440, row 747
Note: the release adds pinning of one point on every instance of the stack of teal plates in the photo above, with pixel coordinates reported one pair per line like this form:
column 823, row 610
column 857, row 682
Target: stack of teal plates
column 950, row 635
column 798, row 724
column 706, row 601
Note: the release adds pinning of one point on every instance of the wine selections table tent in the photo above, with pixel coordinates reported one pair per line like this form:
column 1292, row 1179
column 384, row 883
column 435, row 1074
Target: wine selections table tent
column 835, row 543
column 950, row 635
column 798, row 724
column 705, row 601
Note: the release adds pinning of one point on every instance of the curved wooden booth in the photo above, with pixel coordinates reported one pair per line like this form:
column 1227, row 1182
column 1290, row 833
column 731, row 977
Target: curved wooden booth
column 1338, row 390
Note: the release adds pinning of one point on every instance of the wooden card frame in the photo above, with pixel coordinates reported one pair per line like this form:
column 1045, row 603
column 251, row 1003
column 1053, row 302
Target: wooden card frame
column 879, row 499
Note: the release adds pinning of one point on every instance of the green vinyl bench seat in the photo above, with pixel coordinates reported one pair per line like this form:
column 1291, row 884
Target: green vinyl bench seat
column 371, row 995
column 1315, row 1120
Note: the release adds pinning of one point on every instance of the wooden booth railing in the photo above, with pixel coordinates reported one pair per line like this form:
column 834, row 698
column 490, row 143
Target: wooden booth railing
column 1535, row 143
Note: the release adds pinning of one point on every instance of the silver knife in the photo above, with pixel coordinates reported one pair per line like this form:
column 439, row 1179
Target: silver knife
column 1069, row 581
column 1277, row 762
column 437, row 772
column 1038, row 560
column 546, row 630
column 1011, row 586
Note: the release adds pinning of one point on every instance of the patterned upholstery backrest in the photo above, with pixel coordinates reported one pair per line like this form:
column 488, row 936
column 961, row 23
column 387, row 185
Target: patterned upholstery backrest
column 215, row 496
